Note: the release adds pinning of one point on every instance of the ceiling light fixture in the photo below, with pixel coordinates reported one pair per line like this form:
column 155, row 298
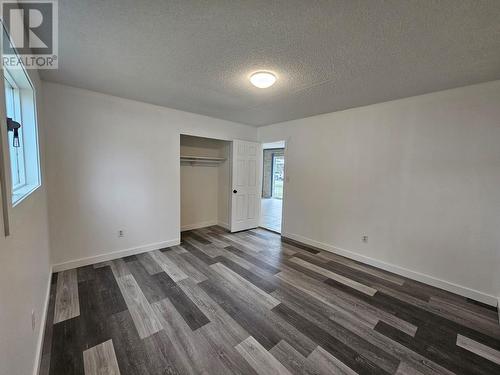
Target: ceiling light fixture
column 262, row 80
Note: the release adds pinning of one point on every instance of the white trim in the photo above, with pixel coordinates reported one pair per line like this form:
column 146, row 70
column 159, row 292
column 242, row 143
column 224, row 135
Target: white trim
column 427, row 279
column 43, row 323
column 272, row 145
column 113, row 255
column 27, row 190
column 202, row 224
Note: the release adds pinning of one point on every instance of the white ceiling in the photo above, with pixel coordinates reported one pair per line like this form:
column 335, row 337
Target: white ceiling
column 329, row 55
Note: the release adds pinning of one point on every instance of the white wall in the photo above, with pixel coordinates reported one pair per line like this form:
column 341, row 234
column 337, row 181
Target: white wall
column 420, row 176
column 113, row 164
column 24, row 269
column 199, row 195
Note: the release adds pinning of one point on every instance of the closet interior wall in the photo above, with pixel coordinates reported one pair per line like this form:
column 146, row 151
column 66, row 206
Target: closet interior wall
column 204, row 185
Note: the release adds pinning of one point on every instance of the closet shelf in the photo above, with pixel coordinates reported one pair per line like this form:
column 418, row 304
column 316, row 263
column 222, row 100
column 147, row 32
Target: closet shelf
column 201, row 159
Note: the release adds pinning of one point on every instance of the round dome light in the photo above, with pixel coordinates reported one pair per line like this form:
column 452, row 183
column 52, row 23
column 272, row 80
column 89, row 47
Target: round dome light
column 262, row 80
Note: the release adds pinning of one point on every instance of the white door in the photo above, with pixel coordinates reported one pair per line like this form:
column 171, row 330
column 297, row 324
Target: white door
column 246, row 185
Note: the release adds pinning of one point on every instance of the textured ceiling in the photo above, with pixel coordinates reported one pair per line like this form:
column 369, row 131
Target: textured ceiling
column 196, row 56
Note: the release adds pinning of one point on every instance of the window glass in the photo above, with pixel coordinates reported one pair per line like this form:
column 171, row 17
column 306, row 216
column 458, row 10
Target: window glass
column 20, row 106
column 12, row 108
column 278, row 174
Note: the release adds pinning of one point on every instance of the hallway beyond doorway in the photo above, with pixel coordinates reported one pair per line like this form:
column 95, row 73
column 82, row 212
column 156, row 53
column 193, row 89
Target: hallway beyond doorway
column 273, row 171
column 271, row 214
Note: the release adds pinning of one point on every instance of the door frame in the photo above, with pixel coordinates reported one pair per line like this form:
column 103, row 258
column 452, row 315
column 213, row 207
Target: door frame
column 285, row 180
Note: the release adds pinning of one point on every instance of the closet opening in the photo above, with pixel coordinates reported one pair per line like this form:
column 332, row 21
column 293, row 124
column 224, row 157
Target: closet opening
column 205, row 177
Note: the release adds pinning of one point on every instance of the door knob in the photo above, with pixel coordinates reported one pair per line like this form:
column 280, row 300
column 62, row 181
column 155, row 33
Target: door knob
column 235, row 191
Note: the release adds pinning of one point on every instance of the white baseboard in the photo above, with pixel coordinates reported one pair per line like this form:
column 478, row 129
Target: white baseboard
column 414, row 275
column 113, row 255
column 202, row 224
column 43, row 323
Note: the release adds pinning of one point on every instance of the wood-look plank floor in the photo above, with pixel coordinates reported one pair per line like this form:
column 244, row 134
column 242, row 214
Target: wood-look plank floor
column 67, row 304
column 254, row 303
column 101, row 360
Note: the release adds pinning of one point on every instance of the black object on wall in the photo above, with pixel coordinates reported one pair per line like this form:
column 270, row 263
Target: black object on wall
column 14, row 126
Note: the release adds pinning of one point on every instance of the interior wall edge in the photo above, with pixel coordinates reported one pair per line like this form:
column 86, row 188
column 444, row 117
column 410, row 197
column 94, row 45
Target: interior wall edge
column 498, row 309
column 104, row 257
column 43, row 321
column 199, row 225
column 414, row 275
column 224, row 225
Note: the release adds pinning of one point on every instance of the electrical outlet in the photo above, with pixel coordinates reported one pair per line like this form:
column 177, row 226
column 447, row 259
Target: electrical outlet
column 121, row 233
column 364, row 239
column 33, row 320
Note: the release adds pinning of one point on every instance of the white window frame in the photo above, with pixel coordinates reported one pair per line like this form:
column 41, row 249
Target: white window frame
column 28, row 154
column 17, row 163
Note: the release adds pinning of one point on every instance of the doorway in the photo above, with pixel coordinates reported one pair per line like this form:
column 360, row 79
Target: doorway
column 205, row 180
column 273, row 178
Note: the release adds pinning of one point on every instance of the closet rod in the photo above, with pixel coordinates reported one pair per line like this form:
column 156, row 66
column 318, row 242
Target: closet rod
column 202, row 159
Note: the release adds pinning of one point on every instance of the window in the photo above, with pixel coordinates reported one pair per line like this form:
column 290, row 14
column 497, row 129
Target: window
column 24, row 159
column 277, row 177
column 13, row 110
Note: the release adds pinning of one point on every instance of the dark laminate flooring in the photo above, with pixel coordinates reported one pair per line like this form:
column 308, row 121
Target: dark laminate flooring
column 250, row 303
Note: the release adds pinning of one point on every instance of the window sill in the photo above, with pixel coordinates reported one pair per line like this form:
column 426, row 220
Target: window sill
column 22, row 193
